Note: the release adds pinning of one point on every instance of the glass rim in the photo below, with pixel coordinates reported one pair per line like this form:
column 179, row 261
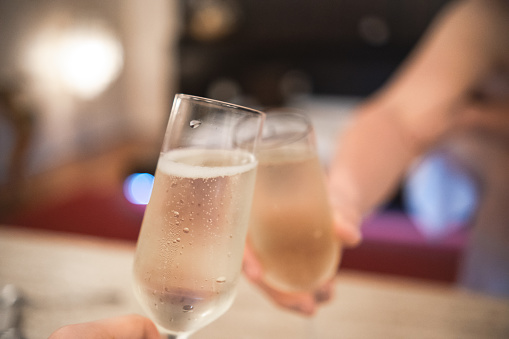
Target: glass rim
column 275, row 141
column 219, row 103
column 294, row 114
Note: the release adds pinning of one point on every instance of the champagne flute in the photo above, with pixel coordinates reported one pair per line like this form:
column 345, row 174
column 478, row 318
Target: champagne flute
column 189, row 252
column 291, row 226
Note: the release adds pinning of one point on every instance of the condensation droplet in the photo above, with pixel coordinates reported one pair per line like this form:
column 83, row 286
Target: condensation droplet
column 188, row 308
column 178, row 239
column 194, row 123
column 186, row 230
column 176, row 214
column 221, row 280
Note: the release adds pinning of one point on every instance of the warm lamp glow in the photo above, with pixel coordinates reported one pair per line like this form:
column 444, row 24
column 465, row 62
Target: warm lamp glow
column 83, row 61
column 89, row 61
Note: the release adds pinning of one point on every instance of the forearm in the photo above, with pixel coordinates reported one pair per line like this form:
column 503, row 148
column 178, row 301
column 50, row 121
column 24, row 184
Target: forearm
column 418, row 106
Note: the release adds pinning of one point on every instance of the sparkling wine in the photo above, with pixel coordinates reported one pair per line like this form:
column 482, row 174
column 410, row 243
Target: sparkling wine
column 188, row 254
column 291, row 224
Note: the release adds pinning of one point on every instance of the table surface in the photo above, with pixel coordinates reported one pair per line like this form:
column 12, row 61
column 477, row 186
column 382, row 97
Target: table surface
column 67, row 279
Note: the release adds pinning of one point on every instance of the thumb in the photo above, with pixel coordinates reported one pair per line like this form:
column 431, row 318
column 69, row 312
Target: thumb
column 347, row 226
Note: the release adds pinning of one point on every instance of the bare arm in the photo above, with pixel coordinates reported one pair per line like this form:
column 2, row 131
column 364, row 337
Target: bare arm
column 425, row 99
column 422, row 102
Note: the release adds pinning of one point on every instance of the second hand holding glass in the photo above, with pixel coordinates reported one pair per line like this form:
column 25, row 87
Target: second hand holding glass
column 291, row 227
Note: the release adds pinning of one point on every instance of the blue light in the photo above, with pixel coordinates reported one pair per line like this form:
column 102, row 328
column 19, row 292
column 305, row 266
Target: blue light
column 441, row 196
column 138, row 187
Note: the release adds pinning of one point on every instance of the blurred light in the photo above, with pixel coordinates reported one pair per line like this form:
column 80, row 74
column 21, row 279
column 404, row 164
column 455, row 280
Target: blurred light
column 212, row 20
column 83, row 59
column 374, row 30
column 88, row 61
column 138, row 187
column 441, row 196
column 224, row 89
column 296, row 83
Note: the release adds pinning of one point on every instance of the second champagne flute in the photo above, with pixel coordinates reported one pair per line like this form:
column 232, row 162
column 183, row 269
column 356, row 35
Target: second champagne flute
column 291, row 228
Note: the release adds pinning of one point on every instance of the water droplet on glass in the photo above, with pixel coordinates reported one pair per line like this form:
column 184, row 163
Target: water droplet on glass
column 186, row 230
column 194, row 123
column 188, row 308
column 221, row 280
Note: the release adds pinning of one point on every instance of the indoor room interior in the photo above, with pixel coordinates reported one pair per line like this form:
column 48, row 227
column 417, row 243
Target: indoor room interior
column 87, row 87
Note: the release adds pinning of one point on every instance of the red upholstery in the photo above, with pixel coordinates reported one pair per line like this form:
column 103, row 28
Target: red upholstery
column 99, row 213
column 392, row 245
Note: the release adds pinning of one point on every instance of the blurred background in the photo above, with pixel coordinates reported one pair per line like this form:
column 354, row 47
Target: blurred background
column 86, row 89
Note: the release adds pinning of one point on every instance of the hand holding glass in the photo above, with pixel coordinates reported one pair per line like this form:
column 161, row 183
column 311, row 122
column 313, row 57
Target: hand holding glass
column 291, row 228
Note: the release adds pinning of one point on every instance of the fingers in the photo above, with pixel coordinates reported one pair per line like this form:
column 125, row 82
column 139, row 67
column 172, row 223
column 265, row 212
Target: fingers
column 300, row 302
column 347, row 227
column 125, row 327
column 325, row 292
column 251, row 266
column 303, row 303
